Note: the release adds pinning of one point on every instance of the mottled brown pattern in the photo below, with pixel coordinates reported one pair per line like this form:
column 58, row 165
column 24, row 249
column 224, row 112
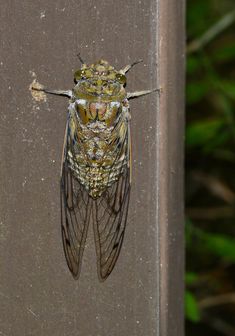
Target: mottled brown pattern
column 98, row 149
column 95, row 175
column 95, row 181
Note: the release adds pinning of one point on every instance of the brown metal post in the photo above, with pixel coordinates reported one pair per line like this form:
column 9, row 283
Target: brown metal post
column 144, row 294
column 171, row 39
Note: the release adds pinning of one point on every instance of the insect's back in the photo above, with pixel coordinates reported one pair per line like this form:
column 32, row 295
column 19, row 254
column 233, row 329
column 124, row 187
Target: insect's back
column 98, row 148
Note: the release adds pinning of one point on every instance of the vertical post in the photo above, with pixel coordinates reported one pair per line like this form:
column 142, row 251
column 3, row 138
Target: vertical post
column 144, row 293
column 171, row 41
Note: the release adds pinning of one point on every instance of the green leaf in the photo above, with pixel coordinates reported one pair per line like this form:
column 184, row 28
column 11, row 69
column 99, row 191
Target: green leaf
column 201, row 132
column 221, row 245
column 228, row 87
column 197, row 13
column 191, row 278
column 225, row 53
column 192, row 311
column 196, row 90
column 193, row 64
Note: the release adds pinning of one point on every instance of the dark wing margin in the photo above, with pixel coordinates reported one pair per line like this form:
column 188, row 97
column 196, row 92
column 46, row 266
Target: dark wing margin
column 75, row 215
column 109, row 214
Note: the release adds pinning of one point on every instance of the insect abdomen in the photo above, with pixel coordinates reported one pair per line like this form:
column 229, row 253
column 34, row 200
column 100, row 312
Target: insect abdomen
column 96, row 178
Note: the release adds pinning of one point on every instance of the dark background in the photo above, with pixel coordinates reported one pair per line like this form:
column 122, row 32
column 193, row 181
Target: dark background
column 210, row 167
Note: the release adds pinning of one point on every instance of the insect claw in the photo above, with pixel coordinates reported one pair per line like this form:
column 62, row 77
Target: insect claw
column 67, row 93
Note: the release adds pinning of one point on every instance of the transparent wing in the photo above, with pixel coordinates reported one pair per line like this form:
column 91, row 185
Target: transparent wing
column 109, row 214
column 75, row 215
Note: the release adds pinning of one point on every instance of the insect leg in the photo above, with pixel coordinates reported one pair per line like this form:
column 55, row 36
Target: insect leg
column 141, row 93
column 67, row 93
column 129, row 66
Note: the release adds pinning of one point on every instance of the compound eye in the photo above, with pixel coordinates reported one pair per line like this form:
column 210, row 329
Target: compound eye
column 121, row 78
column 78, row 75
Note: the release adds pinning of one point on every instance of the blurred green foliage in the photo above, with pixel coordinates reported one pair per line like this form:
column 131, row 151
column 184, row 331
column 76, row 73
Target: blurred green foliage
column 192, row 309
column 210, row 169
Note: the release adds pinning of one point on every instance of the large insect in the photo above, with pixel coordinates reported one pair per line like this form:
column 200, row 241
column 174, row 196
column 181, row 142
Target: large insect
column 96, row 164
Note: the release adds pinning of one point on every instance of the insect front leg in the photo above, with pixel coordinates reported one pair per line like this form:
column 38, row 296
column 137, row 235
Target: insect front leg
column 67, row 93
column 129, row 66
column 141, row 93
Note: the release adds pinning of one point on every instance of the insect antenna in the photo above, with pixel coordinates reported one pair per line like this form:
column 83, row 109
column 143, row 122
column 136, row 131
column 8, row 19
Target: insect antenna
column 80, row 59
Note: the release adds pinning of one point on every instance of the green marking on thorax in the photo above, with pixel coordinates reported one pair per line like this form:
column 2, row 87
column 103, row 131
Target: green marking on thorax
column 99, row 82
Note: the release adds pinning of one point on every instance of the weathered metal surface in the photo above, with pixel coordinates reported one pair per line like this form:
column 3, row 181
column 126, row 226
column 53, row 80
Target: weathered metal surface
column 170, row 125
column 143, row 295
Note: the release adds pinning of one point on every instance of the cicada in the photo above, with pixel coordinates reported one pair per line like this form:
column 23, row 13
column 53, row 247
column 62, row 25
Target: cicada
column 95, row 178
